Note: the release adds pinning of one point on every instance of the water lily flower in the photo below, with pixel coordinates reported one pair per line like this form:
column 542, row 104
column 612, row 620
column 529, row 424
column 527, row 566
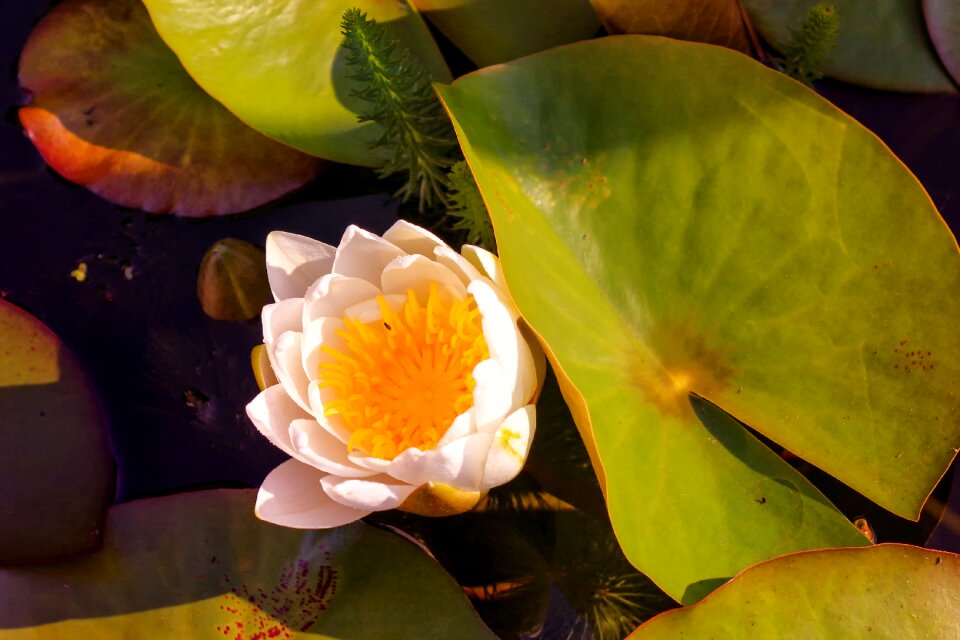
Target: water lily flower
column 402, row 378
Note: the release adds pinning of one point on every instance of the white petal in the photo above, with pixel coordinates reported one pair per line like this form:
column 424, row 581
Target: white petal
column 492, row 397
column 318, row 448
column 510, row 446
column 369, row 310
column 291, row 496
column 333, row 424
column 507, row 345
column 486, row 262
column 459, row 463
column 457, row 263
column 362, row 254
column 318, row 334
column 463, row 425
column 280, row 317
column 417, row 273
column 272, row 412
column 287, row 363
column 295, row 262
column 331, row 294
column 413, row 239
column 374, row 494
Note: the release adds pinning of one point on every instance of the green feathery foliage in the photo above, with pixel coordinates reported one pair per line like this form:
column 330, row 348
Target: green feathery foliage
column 405, row 106
column 468, row 209
column 809, row 45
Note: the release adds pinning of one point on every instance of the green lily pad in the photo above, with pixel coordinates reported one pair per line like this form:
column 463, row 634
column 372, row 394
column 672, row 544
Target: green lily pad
column 943, row 23
column 495, row 31
column 715, row 21
column 889, row 592
column 719, row 237
column 57, row 473
column 113, row 110
column 200, row 565
column 280, row 66
column 882, row 43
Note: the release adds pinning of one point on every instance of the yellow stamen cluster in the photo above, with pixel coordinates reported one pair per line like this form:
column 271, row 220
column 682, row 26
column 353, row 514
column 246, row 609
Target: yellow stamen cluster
column 401, row 380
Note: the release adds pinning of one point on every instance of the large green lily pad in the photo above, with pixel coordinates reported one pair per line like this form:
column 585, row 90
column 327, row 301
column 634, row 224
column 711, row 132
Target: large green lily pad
column 494, row 31
column 200, row 565
column 280, row 66
column 887, row 592
column 882, row 43
column 57, row 472
column 113, row 110
column 943, row 22
column 714, row 21
column 687, row 229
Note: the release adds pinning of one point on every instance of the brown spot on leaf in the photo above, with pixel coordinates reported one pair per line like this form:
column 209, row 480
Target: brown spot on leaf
column 916, row 359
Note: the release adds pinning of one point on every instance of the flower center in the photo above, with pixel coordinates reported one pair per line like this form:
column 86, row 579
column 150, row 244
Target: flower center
column 400, row 381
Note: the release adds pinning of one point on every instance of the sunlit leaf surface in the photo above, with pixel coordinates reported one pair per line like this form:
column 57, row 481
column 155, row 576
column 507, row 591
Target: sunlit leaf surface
column 112, row 109
column 281, row 67
column 717, row 238
column 888, row 592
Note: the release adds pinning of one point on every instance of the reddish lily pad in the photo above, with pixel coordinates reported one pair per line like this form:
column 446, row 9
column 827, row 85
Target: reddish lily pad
column 890, row 591
column 882, row 43
column 281, row 66
column 718, row 238
column 943, row 23
column 112, row 109
column 200, row 565
column 494, row 31
column 57, row 475
column 715, row 21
